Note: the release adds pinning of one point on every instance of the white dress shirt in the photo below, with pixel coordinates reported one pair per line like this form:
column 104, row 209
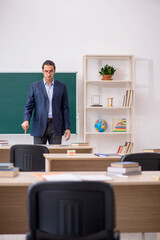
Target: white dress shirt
column 49, row 90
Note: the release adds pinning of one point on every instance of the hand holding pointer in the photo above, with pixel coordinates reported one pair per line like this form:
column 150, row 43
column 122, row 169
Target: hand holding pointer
column 25, row 125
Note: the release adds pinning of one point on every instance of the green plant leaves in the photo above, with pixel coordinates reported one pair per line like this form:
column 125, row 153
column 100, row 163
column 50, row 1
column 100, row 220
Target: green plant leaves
column 107, row 70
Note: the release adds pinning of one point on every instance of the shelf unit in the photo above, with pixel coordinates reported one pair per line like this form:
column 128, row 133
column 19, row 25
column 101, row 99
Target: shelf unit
column 123, row 80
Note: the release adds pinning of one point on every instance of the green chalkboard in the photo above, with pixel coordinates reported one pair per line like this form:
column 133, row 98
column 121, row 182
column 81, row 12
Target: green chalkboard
column 13, row 93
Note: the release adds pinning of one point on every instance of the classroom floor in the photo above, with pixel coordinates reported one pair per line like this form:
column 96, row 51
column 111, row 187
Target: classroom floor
column 123, row 236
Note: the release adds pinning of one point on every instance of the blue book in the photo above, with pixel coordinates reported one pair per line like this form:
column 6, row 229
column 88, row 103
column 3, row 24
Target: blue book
column 6, row 165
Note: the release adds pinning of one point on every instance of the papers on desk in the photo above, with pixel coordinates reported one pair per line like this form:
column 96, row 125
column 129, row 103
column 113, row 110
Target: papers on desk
column 72, row 177
column 95, row 177
column 61, row 177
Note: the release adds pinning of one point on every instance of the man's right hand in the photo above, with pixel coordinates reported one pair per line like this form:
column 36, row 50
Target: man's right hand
column 25, row 125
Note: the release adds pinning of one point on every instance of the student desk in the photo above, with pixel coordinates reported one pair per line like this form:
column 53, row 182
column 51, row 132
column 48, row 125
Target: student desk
column 4, row 150
column 137, row 202
column 78, row 162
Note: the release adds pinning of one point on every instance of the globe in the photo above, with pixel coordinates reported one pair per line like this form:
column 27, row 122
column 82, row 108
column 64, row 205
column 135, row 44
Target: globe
column 101, row 125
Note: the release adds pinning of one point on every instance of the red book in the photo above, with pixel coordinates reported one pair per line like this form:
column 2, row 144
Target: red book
column 119, row 149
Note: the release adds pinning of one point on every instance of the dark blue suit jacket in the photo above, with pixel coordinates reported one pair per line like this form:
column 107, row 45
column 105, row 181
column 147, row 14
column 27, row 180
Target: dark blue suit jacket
column 37, row 100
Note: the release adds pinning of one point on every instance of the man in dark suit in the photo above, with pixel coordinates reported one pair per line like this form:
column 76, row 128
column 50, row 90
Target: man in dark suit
column 48, row 98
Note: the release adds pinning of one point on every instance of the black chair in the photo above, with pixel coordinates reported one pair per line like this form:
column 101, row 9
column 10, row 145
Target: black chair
column 71, row 210
column 28, row 157
column 148, row 161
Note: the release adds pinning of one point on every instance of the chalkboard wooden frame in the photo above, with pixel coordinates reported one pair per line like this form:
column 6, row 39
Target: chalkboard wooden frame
column 13, row 93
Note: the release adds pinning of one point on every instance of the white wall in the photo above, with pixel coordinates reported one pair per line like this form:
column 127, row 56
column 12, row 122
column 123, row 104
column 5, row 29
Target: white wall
column 32, row 31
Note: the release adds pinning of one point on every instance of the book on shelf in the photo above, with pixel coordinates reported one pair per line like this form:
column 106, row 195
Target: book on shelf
column 124, row 164
column 124, row 100
column 124, row 169
column 129, row 147
column 130, row 98
column 11, row 172
column 156, row 150
column 127, row 100
column 80, row 144
column 6, row 165
column 119, row 125
column 119, row 149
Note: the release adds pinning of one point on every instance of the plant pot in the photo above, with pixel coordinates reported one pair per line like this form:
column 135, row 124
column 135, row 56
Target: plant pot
column 106, row 77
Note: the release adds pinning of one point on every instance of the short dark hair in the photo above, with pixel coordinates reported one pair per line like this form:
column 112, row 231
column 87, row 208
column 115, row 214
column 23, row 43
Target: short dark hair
column 49, row 63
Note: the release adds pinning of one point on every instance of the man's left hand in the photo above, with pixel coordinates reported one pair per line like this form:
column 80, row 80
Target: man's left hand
column 67, row 134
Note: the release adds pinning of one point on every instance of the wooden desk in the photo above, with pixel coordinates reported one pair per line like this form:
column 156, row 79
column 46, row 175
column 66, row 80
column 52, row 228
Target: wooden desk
column 63, row 149
column 137, row 201
column 79, row 162
column 4, row 151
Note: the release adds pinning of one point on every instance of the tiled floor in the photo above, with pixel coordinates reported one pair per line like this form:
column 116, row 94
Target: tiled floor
column 123, row 236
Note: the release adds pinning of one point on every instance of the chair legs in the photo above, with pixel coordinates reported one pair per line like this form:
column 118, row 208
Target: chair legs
column 143, row 236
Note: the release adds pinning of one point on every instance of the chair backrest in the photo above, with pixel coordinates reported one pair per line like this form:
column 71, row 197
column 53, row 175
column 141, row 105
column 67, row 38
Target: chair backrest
column 148, row 161
column 28, row 157
column 70, row 210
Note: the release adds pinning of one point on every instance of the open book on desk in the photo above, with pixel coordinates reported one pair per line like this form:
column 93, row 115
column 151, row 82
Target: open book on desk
column 72, row 177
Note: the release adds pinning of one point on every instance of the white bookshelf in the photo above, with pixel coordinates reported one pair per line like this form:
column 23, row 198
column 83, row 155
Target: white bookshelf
column 123, row 80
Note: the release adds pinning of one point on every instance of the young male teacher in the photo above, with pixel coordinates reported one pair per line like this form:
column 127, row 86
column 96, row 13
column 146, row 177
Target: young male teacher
column 49, row 100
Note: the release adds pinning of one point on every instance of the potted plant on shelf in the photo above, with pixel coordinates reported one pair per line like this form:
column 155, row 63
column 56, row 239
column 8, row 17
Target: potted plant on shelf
column 107, row 72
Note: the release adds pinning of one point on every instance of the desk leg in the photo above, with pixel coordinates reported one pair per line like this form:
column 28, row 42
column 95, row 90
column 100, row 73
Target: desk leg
column 47, row 165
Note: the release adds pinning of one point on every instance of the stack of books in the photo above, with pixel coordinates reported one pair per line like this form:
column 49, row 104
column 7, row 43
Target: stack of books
column 124, row 168
column 8, row 170
column 3, row 143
